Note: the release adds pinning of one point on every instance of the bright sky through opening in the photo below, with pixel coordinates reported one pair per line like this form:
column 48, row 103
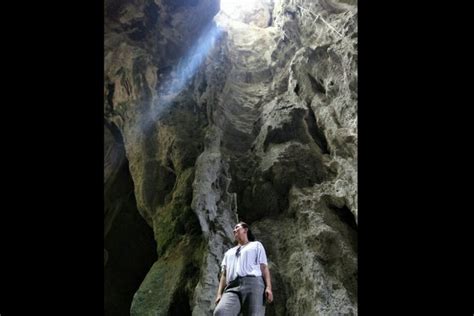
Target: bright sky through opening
column 237, row 7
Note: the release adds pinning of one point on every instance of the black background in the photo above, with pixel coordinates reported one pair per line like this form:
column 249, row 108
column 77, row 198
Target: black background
column 415, row 171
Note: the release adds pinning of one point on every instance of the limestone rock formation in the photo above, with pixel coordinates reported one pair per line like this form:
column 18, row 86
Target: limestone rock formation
column 213, row 117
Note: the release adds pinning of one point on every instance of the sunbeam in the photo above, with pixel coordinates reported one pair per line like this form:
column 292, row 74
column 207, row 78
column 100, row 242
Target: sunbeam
column 184, row 71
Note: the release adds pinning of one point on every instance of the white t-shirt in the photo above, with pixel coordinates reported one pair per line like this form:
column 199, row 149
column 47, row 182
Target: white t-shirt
column 248, row 262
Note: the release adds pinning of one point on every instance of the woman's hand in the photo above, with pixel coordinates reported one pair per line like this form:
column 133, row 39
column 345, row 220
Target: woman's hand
column 218, row 298
column 268, row 295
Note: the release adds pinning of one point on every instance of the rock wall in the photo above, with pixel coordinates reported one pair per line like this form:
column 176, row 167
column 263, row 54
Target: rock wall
column 130, row 248
column 239, row 117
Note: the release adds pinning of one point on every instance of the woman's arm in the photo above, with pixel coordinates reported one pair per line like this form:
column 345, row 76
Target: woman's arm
column 221, row 286
column 268, row 282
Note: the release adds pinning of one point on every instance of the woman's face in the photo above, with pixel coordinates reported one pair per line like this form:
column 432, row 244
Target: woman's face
column 239, row 232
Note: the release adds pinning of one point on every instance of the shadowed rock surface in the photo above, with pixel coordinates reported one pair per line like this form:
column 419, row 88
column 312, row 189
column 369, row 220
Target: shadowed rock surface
column 211, row 118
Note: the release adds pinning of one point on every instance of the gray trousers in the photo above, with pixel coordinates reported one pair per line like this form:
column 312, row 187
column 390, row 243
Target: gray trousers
column 246, row 295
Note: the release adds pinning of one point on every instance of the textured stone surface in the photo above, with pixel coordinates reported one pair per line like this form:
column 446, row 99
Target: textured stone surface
column 252, row 117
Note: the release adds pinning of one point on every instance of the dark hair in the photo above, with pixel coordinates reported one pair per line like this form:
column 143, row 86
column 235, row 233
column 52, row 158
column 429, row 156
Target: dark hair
column 250, row 235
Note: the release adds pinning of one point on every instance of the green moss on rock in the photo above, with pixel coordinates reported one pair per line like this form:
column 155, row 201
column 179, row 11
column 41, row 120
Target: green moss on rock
column 169, row 286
